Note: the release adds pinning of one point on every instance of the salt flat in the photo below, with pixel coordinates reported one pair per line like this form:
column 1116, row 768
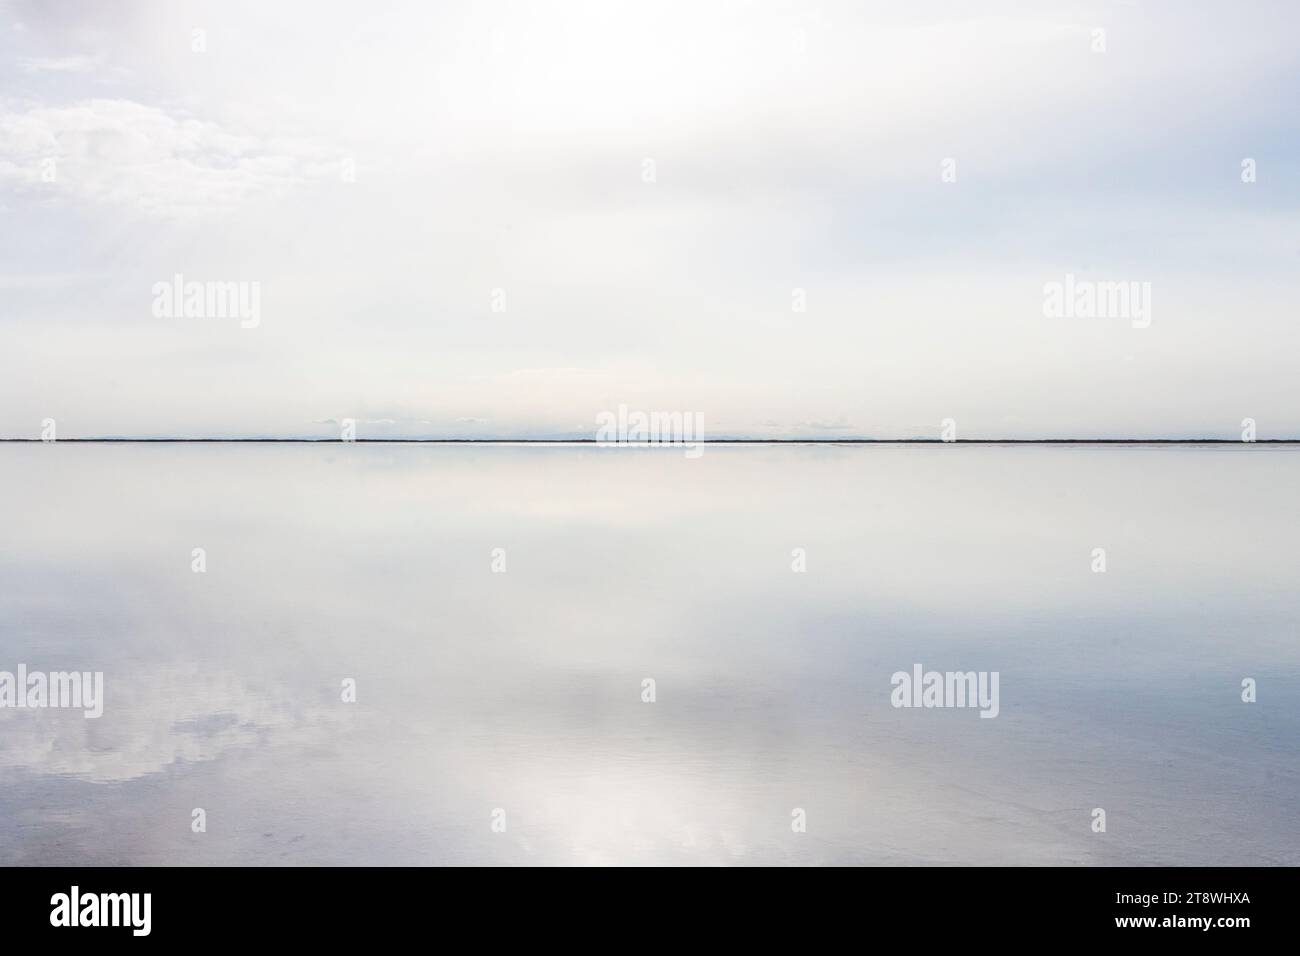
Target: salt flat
column 498, row 610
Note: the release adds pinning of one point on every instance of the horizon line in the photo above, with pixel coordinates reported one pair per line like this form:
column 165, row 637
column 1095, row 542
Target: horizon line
column 666, row 444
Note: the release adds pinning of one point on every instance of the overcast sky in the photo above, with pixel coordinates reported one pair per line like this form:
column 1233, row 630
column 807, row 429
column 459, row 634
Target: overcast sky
column 792, row 146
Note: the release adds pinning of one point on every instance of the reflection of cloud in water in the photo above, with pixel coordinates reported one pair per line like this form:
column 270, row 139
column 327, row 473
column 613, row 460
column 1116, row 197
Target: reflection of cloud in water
column 155, row 717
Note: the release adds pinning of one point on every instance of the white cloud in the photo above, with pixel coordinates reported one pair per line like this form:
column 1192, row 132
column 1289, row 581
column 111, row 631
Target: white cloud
column 76, row 63
column 145, row 159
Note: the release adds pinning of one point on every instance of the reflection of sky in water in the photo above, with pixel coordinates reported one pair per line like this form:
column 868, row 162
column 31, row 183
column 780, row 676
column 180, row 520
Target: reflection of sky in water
column 522, row 690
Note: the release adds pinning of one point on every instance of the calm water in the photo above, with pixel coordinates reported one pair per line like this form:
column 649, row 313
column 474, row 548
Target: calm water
column 522, row 690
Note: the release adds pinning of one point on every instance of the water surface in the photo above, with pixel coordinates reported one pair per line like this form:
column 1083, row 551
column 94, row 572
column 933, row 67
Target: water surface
column 522, row 690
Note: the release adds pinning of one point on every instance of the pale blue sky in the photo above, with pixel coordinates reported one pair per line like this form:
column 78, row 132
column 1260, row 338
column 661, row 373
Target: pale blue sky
column 795, row 145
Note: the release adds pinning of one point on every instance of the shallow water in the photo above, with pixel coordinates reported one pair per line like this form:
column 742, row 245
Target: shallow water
column 522, row 690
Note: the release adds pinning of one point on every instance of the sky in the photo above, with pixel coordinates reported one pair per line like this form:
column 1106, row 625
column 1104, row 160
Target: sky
column 794, row 220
